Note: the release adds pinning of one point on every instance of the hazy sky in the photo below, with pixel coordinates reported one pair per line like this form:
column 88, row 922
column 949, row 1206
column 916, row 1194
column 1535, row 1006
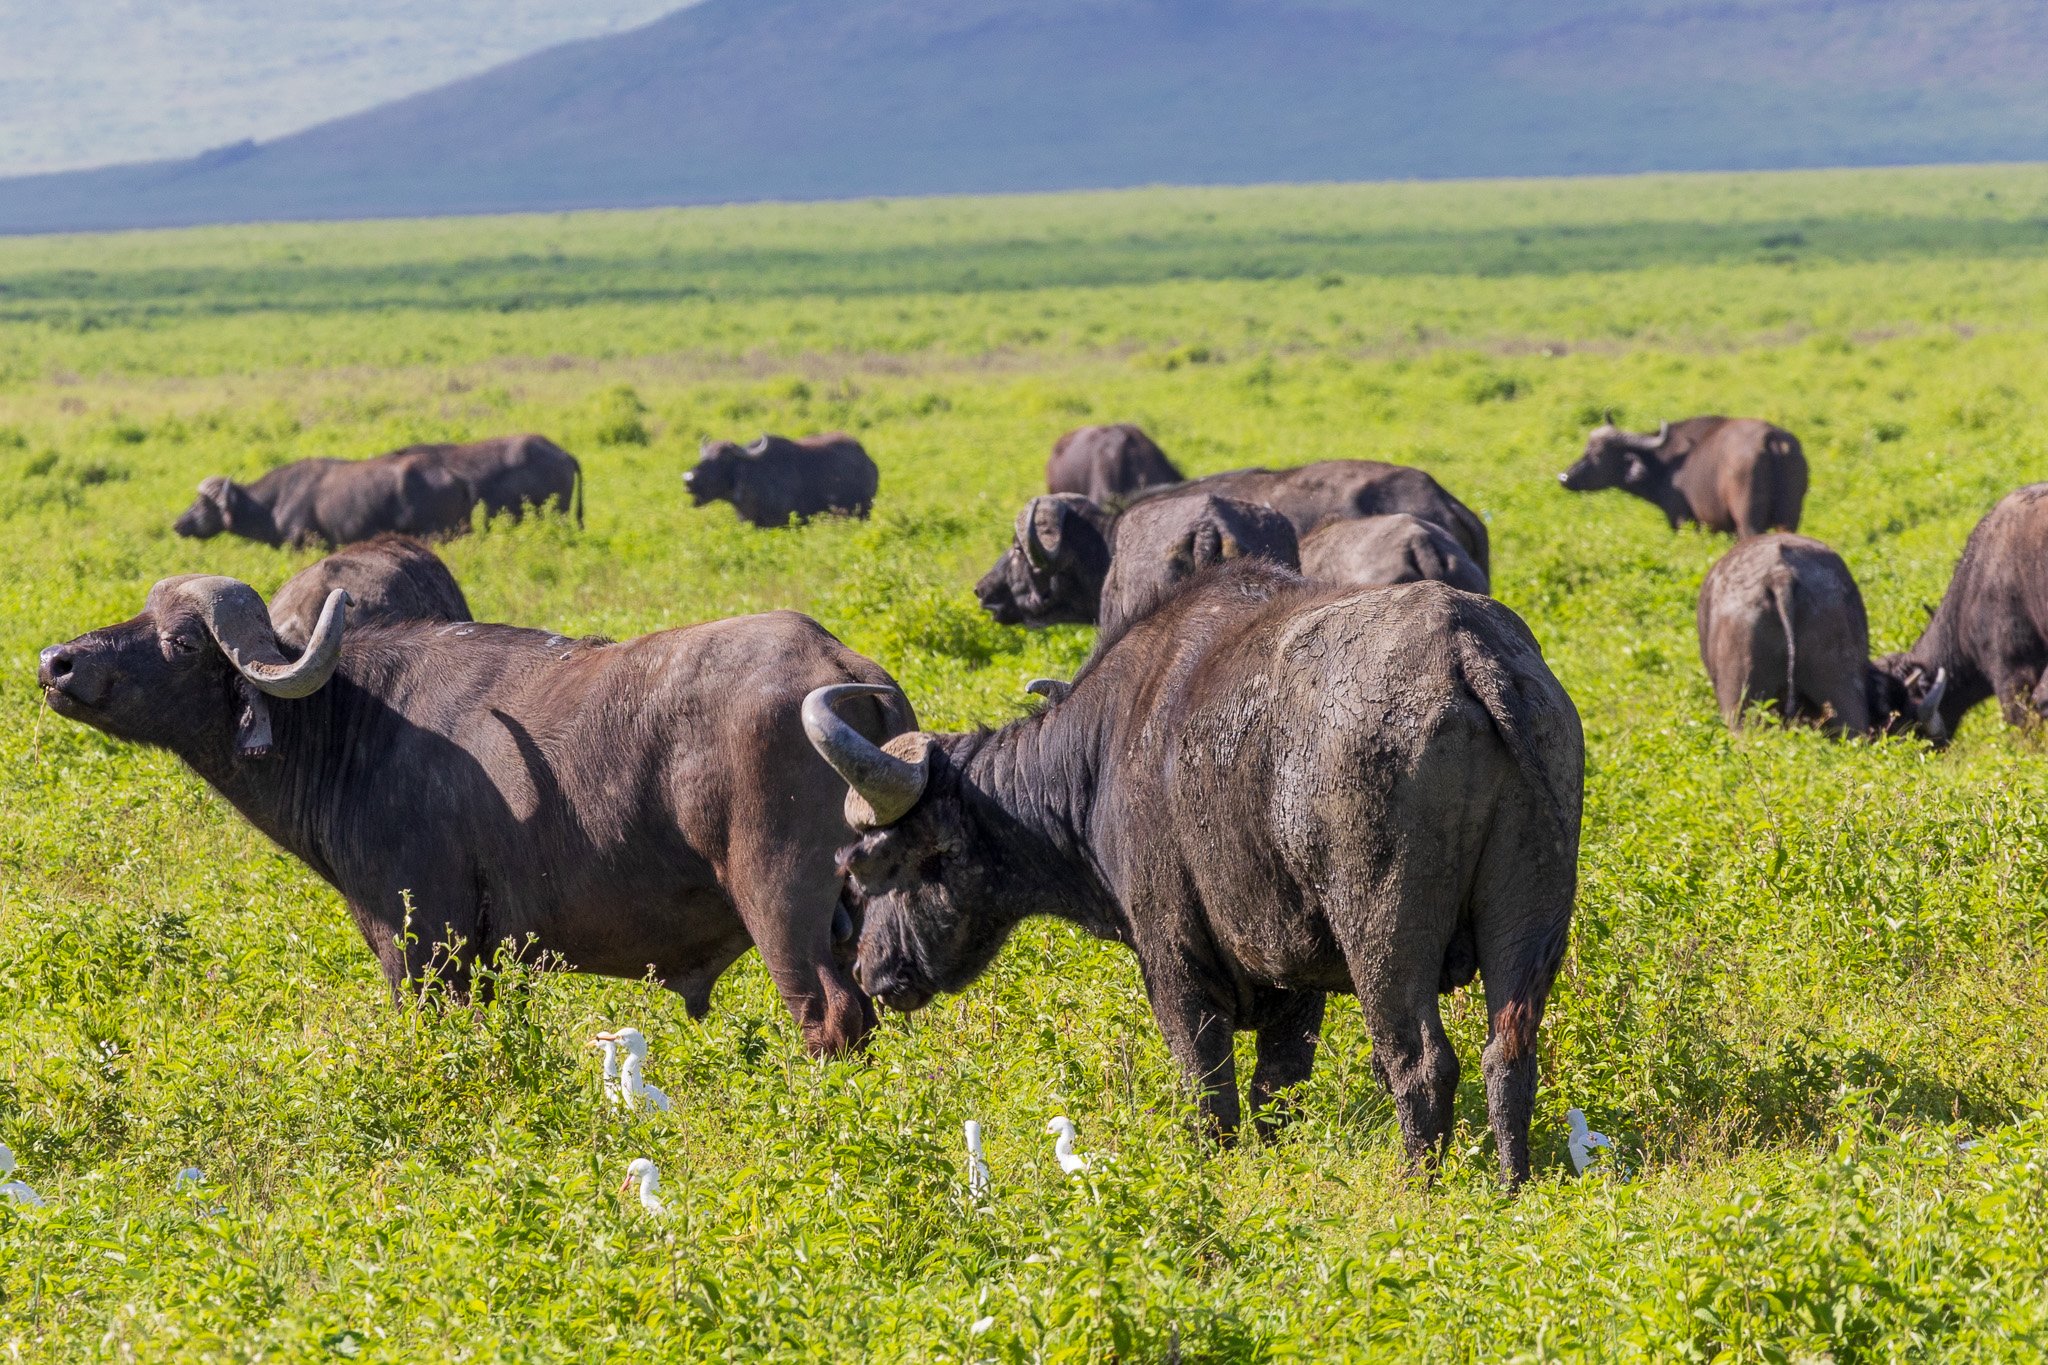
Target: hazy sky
column 90, row 82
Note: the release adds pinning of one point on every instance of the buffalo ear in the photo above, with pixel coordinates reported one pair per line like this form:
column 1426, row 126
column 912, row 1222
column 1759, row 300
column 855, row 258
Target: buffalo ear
column 220, row 492
column 252, row 722
column 1636, row 471
column 1045, row 529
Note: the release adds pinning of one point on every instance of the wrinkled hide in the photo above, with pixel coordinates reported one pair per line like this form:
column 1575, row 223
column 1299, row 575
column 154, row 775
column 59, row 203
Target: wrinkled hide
column 1382, row 551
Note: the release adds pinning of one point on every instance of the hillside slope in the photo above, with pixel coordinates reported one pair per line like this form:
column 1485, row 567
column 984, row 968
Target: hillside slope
column 757, row 99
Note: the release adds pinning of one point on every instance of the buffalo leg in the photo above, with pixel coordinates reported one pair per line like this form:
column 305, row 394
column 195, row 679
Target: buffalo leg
column 1396, row 951
column 1200, row 1039
column 1287, row 1053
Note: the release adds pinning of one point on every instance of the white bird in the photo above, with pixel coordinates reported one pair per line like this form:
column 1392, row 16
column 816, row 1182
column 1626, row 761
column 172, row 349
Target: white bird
column 642, row 1170
column 1583, row 1140
column 977, row 1169
column 633, row 1086
column 15, row 1190
column 610, row 1043
column 1071, row 1161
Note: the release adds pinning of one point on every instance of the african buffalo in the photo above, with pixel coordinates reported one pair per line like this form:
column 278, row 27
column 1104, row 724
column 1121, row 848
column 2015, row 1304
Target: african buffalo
column 1781, row 621
column 776, row 478
column 1268, row 789
column 1058, row 557
column 334, row 502
column 512, row 473
column 1725, row 473
column 1989, row 637
column 388, row 578
column 640, row 808
column 1382, row 551
column 1161, row 543
column 1107, row 463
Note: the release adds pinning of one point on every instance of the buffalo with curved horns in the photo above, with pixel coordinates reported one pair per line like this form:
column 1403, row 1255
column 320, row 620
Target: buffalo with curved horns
column 1728, row 474
column 1268, row 789
column 644, row 807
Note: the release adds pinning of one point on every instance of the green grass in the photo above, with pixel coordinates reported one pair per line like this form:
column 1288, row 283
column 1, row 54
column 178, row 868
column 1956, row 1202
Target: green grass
column 1800, row 970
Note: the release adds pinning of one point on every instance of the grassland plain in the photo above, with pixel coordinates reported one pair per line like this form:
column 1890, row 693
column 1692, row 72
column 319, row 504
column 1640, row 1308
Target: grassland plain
column 1800, row 973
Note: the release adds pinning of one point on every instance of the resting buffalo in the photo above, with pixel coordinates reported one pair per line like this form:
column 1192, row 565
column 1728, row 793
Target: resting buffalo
column 776, row 478
column 1782, row 622
column 334, row 502
column 1725, row 473
column 1107, row 463
column 648, row 807
column 512, row 473
column 1058, row 556
column 1989, row 637
column 387, row 578
column 1162, row 542
column 1268, row 789
column 1383, row 551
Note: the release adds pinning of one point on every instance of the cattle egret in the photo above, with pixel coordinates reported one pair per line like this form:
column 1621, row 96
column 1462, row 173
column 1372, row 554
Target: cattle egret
column 633, row 1086
column 1583, row 1140
column 1071, row 1161
column 642, row 1170
column 11, row 1189
column 610, row 1044
column 977, row 1169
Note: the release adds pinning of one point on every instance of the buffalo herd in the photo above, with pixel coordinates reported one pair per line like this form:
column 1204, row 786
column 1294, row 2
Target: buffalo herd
column 1308, row 753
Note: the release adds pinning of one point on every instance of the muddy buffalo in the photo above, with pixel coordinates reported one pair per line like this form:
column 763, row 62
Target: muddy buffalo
column 1107, row 463
column 650, row 807
column 334, row 502
column 388, row 578
column 1058, row 557
column 1989, row 637
column 1383, row 551
column 510, row 474
column 1268, row 789
column 1161, row 543
column 1724, row 473
column 776, row 479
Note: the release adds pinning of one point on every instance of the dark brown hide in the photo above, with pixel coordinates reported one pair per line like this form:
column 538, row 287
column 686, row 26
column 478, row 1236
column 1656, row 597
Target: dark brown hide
column 1725, row 473
column 1989, row 637
column 776, row 479
column 334, row 502
column 509, row 474
column 1107, row 463
column 388, row 578
column 1268, row 789
column 1020, row 589
column 1161, row 543
column 1382, row 551
column 1781, row 622
column 651, row 806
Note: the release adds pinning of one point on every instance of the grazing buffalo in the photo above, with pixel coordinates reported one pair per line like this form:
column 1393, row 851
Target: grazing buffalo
column 509, row 474
column 1162, row 542
column 1725, row 473
column 1989, row 637
column 642, row 808
column 776, row 478
column 1781, row 622
column 1382, row 551
column 1058, row 557
column 334, row 502
column 388, row 578
column 1107, row 463
column 1268, row 789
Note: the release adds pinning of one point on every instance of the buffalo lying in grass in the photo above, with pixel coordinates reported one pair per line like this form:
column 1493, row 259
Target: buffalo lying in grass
column 1383, row 551
column 1728, row 474
column 1107, row 463
column 388, row 578
column 1989, row 637
column 1268, row 789
column 645, row 807
column 1059, row 553
column 776, row 479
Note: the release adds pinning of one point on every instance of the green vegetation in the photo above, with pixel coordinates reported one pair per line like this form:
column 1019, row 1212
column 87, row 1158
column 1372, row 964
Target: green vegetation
column 1801, row 971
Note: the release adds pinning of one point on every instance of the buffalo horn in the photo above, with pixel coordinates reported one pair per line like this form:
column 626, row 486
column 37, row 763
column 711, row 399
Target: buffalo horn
column 1928, row 712
column 882, row 786
column 236, row 619
column 1052, row 689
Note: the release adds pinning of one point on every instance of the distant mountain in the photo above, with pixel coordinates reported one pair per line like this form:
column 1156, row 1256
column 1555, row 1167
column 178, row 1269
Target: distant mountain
column 796, row 99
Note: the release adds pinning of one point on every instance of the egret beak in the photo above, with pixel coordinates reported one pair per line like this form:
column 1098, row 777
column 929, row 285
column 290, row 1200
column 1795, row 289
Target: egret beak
column 601, row 1039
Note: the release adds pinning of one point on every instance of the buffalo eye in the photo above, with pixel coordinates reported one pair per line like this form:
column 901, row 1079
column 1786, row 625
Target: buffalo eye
column 182, row 642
